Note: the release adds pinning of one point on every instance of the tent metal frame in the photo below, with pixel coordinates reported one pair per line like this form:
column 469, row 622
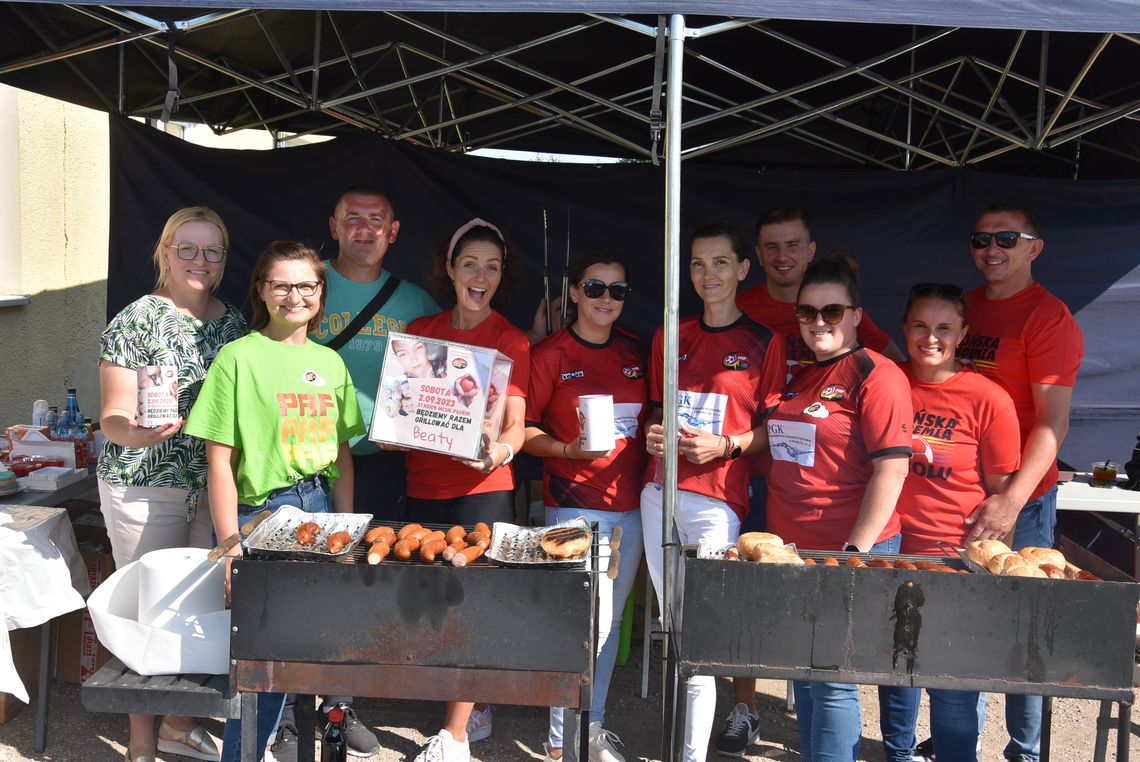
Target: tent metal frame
column 958, row 111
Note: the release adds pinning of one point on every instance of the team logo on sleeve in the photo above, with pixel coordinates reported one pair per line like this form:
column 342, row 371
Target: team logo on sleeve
column 632, row 372
column 833, row 392
column 312, row 378
column 816, row 410
column 735, row 361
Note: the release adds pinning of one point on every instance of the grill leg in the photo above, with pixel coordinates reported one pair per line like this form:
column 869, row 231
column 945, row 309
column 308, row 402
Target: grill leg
column 1103, row 720
column 1123, row 731
column 249, row 750
column 45, row 685
column 306, row 727
column 1046, row 726
column 571, row 724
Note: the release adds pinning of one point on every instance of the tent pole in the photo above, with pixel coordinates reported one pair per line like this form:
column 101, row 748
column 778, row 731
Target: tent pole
column 672, row 293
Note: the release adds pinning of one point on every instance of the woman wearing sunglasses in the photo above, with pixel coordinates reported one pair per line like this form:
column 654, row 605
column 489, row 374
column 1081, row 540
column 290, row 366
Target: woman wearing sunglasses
column 150, row 479
column 966, row 445
column 591, row 356
column 476, row 271
column 840, row 443
column 276, row 412
column 727, row 364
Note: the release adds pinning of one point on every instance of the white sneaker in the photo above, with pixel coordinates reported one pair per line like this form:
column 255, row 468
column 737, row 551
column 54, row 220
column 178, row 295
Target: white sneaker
column 479, row 724
column 602, row 744
column 444, row 748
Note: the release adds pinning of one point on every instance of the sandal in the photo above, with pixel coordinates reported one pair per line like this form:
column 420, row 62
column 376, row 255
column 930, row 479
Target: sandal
column 196, row 743
column 143, row 758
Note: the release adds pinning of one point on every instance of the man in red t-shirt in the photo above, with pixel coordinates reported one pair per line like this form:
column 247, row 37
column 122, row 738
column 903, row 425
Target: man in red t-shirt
column 1025, row 339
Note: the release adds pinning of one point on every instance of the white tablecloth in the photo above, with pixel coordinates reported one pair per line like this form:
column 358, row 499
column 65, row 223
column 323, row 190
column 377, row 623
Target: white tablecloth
column 42, row 576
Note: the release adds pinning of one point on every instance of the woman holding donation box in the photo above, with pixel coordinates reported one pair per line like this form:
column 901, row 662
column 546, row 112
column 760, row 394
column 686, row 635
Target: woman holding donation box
column 151, row 478
column 277, row 411
column 839, row 434
column 727, row 365
column 476, row 271
column 967, row 444
column 592, row 357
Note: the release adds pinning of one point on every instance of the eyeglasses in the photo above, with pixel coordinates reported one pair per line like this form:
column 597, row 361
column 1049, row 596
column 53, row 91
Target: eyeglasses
column 1006, row 239
column 304, row 288
column 939, row 290
column 594, row 288
column 189, row 251
column 832, row 313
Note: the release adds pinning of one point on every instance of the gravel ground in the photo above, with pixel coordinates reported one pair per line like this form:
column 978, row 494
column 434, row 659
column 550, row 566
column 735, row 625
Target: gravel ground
column 76, row 736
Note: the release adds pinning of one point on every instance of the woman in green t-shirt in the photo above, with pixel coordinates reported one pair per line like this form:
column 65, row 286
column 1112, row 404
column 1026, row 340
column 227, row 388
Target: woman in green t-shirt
column 277, row 412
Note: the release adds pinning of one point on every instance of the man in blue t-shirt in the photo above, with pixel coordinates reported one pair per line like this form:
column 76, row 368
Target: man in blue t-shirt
column 364, row 225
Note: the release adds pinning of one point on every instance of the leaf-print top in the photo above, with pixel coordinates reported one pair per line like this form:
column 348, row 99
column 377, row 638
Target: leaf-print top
column 151, row 331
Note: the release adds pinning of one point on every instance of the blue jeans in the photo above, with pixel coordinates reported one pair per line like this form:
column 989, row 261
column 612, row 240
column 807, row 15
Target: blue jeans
column 611, row 601
column 1035, row 526
column 311, row 495
column 828, row 714
column 953, row 723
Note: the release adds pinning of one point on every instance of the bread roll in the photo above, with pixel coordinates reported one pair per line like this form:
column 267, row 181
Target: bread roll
column 563, row 542
column 749, row 541
column 1023, row 570
column 775, row 554
column 1003, row 562
column 1039, row 556
column 981, row 551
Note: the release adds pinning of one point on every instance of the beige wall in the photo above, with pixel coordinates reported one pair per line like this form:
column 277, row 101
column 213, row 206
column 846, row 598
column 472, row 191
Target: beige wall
column 56, row 162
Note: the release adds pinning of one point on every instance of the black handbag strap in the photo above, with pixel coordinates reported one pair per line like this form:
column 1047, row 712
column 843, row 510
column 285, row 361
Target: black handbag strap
column 366, row 314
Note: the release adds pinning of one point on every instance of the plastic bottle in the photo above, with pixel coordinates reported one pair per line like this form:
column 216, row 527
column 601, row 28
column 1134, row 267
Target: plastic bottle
column 90, row 427
column 51, row 420
column 78, row 436
column 39, row 412
column 73, row 407
column 333, row 746
column 68, row 414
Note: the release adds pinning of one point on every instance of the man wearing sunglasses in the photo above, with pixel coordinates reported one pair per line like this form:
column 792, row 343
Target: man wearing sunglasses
column 1025, row 339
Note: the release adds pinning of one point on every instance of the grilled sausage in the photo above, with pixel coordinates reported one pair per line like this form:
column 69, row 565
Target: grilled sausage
column 406, row 530
column 466, row 556
column 902, row 563
column 386, row 533
column 337, row 541
column 480, row 539
column 307, row 533
column 455, row 533
column 418, row 534
column 379, row 551
column 429, row 550
column 879, row 563
column 432, row 537
column 481, row 526
column 856, row 562
column 1088, row 575
column 1054, row 572
column 928, row 566
column 403, row 549
column 831, row 561
column 809, row 561
column 732, row 553
column 453, row 548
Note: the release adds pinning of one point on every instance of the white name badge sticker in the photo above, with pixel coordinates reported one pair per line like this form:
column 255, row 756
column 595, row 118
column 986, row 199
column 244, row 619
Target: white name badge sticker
column 701, row 410
column 792, row 441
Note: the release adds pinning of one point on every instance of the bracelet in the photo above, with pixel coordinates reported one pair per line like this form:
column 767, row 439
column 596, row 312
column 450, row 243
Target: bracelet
column 566, row 450
column 510, row 453
column 727, row 447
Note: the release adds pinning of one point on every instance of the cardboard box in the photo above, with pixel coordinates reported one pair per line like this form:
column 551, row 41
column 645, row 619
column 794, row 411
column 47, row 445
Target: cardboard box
column 26, row 656
column 78, row 653
column 440, row 396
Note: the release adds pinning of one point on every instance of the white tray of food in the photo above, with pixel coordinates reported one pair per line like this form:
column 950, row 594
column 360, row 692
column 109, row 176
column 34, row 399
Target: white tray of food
column 566, row 544
column 278, row 535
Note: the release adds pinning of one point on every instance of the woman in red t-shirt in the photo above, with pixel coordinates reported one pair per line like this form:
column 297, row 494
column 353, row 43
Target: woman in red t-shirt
column 727, row 365
column 589, row 357
column 476, row 271
column 966, row 445
column 838, row 434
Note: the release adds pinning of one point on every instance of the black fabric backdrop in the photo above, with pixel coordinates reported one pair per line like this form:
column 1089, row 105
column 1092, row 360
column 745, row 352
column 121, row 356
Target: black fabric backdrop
column 904, row 227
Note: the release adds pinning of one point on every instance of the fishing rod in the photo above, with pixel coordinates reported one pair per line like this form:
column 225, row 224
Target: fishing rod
column 566, row 270
column 546, row 271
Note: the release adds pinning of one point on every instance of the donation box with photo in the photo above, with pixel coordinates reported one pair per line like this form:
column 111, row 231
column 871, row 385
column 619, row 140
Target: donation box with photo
column 440, row 396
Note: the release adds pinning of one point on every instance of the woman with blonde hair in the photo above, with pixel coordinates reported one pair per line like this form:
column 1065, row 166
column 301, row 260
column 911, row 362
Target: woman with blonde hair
column 152, row 480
